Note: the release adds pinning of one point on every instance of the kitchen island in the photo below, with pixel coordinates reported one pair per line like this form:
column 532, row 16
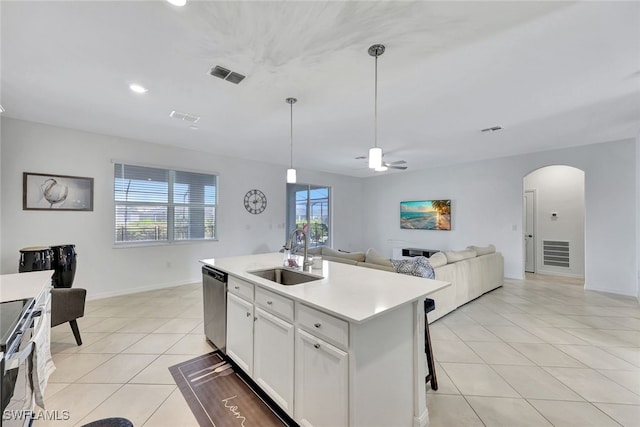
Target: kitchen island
column 344, row 349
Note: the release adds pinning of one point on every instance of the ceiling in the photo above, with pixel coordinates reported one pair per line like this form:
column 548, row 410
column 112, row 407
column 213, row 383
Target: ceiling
column 552, row 74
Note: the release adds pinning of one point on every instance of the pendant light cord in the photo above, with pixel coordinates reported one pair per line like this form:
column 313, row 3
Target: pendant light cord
column 375, row 114
column 291, row 104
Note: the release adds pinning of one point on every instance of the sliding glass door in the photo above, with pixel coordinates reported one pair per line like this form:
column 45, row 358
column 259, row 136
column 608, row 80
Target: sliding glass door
column 310, row 204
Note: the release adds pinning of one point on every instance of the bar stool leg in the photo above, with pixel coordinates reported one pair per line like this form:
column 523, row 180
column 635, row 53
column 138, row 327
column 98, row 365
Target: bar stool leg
column 429, row 305
column 427, row 349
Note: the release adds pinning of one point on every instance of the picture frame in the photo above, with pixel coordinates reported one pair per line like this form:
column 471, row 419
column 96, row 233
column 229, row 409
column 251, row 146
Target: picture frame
column 51, row 192
column 425, row 215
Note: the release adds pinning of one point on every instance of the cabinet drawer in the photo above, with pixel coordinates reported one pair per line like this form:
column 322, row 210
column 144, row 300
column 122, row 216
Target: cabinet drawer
column 275, row 304
column 241, row 288
column 325, row 326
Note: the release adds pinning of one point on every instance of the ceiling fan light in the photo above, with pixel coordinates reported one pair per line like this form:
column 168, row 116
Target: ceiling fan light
column 291, row 176
column 375, row 157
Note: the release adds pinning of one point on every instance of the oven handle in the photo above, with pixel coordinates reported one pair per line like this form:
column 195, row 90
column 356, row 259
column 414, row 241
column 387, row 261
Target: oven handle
column 15, row 361
column 27, row 324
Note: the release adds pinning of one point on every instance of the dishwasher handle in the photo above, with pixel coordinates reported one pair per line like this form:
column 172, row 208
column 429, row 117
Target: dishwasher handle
column 220, row 276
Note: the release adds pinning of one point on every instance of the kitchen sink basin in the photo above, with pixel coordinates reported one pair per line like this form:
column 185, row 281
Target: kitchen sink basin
column 285, row 276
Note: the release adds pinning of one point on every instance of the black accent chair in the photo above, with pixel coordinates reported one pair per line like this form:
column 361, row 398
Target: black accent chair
column 67, row 305
column 429, row 305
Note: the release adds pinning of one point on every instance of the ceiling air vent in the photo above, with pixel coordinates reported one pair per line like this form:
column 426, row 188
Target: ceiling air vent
column 223, row 73
column 191, row 118
column 219, row 71
column 235, row 77
column 491, row 129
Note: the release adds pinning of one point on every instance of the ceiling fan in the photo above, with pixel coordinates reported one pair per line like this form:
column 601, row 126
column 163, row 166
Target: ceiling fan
column 398, row 164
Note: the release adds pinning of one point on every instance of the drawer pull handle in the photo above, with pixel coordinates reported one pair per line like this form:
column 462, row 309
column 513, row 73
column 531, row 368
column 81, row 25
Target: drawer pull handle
column 248, row 314
column 236, row 288
column 317, row 325
column 269, row 302
column 316, row 345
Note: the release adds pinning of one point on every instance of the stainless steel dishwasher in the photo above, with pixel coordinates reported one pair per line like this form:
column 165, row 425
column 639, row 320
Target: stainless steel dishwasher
column 214, row 288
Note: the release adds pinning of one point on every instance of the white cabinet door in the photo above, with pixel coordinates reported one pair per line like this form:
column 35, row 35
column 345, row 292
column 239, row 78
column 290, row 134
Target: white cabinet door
column 273, row 358
column 240, row 332
column 321, row 393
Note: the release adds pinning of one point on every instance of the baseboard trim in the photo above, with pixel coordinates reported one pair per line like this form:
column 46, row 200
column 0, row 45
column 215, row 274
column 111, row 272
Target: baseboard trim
column 101, row 295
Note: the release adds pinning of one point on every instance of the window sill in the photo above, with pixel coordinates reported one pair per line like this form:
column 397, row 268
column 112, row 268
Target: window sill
column 129, row 245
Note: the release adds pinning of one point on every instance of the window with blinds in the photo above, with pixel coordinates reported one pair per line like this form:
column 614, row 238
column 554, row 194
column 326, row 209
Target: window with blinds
column 160, row 205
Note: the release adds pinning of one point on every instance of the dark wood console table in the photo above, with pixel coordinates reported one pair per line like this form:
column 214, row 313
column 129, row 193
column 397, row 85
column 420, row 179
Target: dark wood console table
column 418, row 252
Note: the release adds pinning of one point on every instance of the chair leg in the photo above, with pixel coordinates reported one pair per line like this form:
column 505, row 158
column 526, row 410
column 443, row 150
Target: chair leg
column 427, row 348
column 76, row 331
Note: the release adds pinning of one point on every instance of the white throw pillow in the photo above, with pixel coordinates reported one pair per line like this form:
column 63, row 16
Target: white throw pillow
column 376, row 257
column 438, row 259
column 483, row 250
column 455, row 256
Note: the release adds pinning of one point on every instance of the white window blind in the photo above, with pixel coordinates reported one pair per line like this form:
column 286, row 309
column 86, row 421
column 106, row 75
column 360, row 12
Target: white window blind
column 160, row 205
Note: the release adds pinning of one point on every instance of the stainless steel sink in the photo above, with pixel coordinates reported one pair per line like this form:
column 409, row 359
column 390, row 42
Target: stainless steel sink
column 285, row 276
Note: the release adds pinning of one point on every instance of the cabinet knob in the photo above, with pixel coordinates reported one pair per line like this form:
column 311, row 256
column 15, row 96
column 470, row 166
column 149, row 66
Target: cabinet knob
column 269, row 302
column 316, row 345
column 248, row 314
column 236, row 288
column 317, row 325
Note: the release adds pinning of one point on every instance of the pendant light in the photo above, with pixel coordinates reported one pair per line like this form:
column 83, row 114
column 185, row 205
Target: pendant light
column 291, row 172
column 375, row 153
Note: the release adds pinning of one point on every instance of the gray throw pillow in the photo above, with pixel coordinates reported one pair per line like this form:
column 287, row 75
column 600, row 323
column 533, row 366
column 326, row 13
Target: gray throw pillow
column 417, row 266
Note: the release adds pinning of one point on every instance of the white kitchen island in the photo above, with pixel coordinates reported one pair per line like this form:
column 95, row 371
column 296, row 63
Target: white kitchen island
column 346, row 349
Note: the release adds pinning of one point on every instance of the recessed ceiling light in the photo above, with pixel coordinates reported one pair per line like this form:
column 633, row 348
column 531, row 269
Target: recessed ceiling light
column 138, row 88
column 178, row 3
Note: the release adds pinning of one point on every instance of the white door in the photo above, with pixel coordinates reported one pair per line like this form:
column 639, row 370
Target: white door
column 240, row 332
column 322, row 393
column 273, row 358
column 529, row 232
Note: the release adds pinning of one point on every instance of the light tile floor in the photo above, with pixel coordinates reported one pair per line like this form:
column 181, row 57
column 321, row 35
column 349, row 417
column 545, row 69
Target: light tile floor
column 538, row 353
column 532, row 353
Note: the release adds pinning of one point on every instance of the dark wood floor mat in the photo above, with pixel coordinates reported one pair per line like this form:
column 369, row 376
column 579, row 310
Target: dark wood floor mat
column 218, row 396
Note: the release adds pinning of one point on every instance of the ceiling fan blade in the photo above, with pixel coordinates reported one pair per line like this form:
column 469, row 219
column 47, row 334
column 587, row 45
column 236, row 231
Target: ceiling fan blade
column 397, row 162
column 396, row 167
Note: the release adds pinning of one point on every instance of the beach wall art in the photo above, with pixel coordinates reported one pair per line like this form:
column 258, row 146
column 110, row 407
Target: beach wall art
column 56, row 192
column 425, row 215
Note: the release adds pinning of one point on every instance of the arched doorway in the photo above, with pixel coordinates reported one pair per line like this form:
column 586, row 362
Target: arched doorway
column 554, row 231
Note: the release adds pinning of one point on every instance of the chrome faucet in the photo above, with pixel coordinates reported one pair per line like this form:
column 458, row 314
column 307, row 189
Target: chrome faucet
column 290, row 247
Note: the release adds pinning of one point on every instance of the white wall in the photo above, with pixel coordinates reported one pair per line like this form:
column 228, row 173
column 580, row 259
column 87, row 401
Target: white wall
column 487, row 208
column 104, row 270
column 638, row 217
column 559, row 189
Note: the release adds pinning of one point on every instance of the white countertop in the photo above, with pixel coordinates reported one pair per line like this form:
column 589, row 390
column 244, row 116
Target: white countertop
column 24, row 285
column 353, row 293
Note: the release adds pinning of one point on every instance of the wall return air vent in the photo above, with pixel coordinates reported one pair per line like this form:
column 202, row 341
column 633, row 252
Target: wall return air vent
column 228, row 75
column 556, row 253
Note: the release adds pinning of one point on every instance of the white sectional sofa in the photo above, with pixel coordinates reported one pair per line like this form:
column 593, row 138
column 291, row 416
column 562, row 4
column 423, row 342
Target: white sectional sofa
column 472, row 272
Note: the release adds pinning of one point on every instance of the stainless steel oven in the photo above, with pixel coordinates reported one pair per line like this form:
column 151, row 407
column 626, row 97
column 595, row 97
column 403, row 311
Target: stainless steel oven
column 19, row 320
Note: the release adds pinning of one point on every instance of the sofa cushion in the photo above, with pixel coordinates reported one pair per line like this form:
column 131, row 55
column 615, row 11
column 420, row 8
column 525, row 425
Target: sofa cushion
column 455, row 256
column 340, row 260
column 377, row 266
column 353, row 256
column 315, row 251
column 375, row 257
column 417, row 266
column 438, row 259
column 483, row 250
